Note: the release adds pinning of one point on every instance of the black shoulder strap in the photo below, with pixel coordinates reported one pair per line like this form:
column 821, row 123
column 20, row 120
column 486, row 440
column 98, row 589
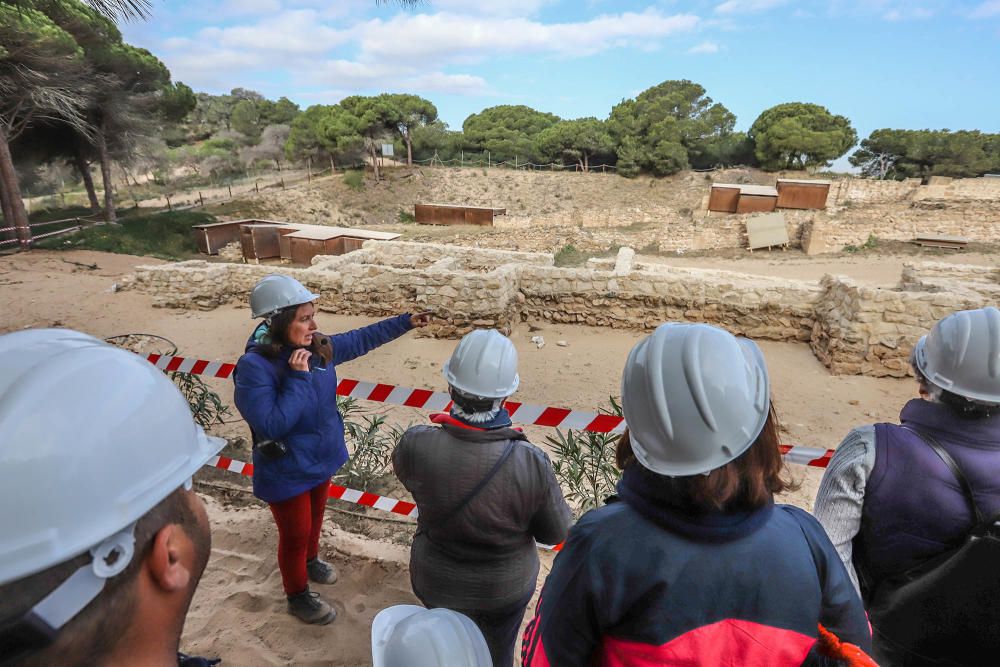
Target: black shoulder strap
column 479, row 487
column 953, row 466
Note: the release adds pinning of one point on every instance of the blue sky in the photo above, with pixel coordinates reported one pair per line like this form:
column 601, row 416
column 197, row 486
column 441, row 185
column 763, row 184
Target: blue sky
column 881, row 63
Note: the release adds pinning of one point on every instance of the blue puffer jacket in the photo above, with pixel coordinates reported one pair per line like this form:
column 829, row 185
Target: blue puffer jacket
column 300, row 409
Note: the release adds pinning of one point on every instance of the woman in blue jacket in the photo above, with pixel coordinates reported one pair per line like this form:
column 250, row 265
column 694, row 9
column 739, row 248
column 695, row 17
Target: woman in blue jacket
column 286, row 389
column 695, row 564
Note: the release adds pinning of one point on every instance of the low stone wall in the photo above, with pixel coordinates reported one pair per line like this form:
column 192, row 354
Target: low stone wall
column 851, row 329
column 870, row 331
column 748, row 305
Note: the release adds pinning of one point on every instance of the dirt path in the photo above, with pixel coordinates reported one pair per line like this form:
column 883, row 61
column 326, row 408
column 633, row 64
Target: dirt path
column 238, row 610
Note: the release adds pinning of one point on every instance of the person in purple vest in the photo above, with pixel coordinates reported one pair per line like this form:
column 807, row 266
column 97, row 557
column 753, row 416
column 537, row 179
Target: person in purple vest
column 887, row 500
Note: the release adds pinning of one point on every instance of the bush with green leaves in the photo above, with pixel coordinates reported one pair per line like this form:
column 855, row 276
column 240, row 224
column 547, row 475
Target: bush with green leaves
column 584, row 463
column 355, row 180
column 371, row 443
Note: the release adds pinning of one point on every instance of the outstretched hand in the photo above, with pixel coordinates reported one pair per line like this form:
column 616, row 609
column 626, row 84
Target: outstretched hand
column 421, row 319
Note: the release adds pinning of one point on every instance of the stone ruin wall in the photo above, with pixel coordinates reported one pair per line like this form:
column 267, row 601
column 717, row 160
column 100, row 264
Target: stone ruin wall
column 852, row 329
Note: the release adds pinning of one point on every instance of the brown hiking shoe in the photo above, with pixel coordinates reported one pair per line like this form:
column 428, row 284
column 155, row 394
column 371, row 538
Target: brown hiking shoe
column 320, row 571
column 309, row 607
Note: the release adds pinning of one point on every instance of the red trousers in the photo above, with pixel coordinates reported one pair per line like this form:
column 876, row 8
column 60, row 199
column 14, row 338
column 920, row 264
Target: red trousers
column 299, row 520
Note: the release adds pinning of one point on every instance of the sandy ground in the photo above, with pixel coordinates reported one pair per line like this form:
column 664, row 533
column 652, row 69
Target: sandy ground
column 238, row 611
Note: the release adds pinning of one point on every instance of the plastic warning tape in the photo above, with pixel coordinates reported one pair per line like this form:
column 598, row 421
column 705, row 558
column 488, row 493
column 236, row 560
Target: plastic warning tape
column 341, row 493
column 424, row 399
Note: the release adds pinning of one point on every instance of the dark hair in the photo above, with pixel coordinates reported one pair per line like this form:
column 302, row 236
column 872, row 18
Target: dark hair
column 748, row 482
column 94, row 633
column 960, row 406
column 277, row 330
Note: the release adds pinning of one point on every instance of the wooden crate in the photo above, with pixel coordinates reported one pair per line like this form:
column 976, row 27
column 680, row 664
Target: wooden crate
column 802, row 194
column 724, row 197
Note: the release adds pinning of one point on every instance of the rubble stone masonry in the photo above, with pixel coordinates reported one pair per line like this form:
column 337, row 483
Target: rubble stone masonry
column 851, row 329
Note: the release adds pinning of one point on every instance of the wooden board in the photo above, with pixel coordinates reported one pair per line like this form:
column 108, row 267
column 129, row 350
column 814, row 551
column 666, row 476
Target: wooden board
column 764, row 231
column 802, row 194
column 756, row 203
column 724, row 198
column 259, row 242
column 447, row 214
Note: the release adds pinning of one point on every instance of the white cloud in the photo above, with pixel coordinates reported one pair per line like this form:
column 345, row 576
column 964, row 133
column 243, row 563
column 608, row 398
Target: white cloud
column 501, row 8
column 351, row 75
column 985, row 10
column 248, row 7
column 293, row 32
column 747, row 6
column 705, row 47
column 455, row 38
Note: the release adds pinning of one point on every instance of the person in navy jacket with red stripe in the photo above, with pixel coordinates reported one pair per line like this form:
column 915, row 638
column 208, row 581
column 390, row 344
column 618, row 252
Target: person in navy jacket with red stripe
column 286, row 389
column 695, row 564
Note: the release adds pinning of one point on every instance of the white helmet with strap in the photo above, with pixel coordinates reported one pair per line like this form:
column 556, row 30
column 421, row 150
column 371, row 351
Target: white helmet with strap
column 92, row 437
column 961, row 354
column 694, row 397
column 276, row 292
column 484, row 365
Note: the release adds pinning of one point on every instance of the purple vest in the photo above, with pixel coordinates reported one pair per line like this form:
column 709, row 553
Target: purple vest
column 914, row 507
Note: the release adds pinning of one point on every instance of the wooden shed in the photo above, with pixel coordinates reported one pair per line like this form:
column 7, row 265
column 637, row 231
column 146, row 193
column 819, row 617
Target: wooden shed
column 757, row 199
column 212, row 238
column 802, row 193
column 724, row 197
column 301, row 244
column 260, row 241
column 447, row 214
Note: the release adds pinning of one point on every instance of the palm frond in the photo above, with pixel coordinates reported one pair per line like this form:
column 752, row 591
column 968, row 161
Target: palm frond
column 122, row 10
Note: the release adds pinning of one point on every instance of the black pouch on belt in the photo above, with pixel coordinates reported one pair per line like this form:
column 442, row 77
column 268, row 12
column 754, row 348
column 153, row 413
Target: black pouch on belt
column 272, row 449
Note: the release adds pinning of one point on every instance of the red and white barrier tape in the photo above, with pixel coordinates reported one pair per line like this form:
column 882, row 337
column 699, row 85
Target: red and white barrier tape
column 340, row 493
column 523, row 413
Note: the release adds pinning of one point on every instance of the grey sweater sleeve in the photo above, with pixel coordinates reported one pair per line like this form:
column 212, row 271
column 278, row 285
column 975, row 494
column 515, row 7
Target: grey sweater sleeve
column 842, row 492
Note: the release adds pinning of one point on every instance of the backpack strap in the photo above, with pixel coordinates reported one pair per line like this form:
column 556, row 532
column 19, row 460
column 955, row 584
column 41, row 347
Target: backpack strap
column 508, row 450
column 953, row 466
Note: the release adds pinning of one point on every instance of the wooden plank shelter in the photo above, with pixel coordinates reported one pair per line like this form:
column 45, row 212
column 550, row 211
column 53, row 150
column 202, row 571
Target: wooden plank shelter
column 213, row 237
column 724, row 197
column 757, row 199
column 448, row 214
column 260, row 241
column 301, row 244
column 802, row 193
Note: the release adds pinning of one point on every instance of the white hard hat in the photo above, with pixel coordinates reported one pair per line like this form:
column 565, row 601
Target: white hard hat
column 410, row 636
column 277, row 292
column 961, row 354
column 92, row 437
column 694, row 397
column 484, row 364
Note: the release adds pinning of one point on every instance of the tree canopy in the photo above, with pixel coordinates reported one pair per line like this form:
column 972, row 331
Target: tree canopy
column 669, row 127
column 507, row 131
column 917, row 153
column 578, row 141
column 799, row 135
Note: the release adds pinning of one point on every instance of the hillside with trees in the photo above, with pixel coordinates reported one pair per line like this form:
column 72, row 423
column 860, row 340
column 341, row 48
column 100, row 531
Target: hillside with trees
column 80, row 109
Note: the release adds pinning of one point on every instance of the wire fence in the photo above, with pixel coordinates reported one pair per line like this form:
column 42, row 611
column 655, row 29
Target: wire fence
column 68, row 225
